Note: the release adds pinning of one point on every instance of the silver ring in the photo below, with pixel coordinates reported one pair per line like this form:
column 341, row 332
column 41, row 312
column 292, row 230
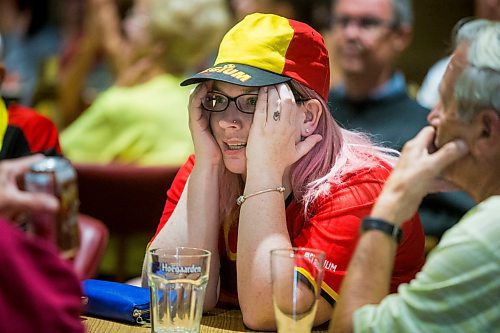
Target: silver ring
column 234, row 121
column 277, row 115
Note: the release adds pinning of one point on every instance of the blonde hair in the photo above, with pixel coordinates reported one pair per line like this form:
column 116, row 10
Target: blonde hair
column 190, row 29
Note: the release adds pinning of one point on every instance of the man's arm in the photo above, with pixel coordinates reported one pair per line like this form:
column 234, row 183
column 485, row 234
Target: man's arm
column 367, row 280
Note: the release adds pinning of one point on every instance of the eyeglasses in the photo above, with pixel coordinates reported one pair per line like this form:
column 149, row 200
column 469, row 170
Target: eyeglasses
column 366, row 23
column 246, row 103
column 217, row 102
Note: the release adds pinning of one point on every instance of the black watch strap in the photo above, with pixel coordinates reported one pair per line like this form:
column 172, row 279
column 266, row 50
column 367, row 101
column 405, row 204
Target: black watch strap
column 371, row 223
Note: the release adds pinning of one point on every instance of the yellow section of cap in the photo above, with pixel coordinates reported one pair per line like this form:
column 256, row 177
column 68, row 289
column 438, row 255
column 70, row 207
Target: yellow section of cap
column 4, row 120
column 258, row 40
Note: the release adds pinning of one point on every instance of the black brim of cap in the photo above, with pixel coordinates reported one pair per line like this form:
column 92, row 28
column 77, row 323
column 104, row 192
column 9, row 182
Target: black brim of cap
column 242, row 75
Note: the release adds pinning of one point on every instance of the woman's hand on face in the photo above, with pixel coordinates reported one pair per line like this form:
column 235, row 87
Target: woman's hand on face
column 274, row 140
column 205, row 146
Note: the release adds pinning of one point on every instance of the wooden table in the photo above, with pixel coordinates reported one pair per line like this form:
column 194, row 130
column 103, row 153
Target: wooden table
column 215, row 321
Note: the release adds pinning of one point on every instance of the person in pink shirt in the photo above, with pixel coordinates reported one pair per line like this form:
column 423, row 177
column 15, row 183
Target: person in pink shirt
column 39, row 292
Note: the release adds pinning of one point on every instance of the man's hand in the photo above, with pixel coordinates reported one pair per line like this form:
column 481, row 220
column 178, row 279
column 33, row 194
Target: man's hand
column 13, row 201
column 414, row 176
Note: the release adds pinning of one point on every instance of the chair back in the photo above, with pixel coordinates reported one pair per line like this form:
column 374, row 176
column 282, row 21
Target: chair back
column 128, row 199
column 93, row 242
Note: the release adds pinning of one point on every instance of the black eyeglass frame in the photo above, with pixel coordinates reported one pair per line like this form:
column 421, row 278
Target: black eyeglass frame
column 229, row 100
column 297, row 98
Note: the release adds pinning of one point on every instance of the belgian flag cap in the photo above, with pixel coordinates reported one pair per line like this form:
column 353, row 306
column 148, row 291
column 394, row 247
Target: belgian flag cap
column 266, row 49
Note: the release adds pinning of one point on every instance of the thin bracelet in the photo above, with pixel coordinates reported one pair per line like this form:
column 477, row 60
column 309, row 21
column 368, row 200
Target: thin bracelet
column 241, row 199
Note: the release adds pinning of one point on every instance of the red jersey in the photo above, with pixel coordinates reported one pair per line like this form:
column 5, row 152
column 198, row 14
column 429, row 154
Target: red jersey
column 39, row 131
column 333, row 226
column 28, row 133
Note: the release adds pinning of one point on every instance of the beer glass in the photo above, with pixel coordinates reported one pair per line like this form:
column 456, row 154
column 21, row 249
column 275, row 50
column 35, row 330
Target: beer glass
column 177, row 279
column 296, row 275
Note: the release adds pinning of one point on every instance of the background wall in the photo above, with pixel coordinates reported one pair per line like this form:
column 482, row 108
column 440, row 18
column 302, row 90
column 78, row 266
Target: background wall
column 434, row 21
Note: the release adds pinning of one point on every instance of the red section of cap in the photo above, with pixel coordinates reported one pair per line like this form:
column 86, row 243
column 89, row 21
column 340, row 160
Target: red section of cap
column 307, row 59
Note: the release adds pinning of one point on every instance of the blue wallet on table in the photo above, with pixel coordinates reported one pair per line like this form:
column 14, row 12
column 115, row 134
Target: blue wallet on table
column 117, row 301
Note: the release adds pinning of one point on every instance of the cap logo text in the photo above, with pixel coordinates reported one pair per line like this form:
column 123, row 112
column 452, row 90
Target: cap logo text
column 229, row 69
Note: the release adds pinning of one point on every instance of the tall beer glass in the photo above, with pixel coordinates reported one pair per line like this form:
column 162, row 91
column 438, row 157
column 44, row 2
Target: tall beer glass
column 296, row 274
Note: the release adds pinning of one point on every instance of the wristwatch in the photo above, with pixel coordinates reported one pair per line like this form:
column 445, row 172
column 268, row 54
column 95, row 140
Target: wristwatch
column 371, row 223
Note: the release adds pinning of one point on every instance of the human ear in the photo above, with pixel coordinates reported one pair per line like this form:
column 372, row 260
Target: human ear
column 313, row 111
column 487, row 134
column 403, row 36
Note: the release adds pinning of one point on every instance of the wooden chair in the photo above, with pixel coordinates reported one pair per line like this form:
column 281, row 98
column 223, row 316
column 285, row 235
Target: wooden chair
column 128, row 199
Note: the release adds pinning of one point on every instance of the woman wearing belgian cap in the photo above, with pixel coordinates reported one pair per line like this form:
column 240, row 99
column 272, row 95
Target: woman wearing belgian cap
column 274, row 170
